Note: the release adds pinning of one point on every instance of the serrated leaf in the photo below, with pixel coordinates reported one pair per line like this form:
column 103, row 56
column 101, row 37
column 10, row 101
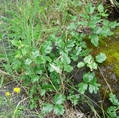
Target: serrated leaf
column 46, row 47
column 59, row 99
column 68, row 68
column 100, row 8
column 59, row 109
column 113, row 99
column 28, row 61
column 92, row 65
column 112, row 112
column 74, row 98
column 94, row 86
column 88, row 59
column 101, row 58
column 82, row 87
column 80, row 64
column 35, row 53
column 47, row 108
column 72, row 26
column 94, row 40
column 90, row 62
column 88, row 77
column 89, row 8
column 65, row 58
column 34, row 78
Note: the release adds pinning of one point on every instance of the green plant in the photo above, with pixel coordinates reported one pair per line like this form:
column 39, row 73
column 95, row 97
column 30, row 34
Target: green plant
column 57, row 105
column 89, row 81
column 113, row 109
column 42, row 56
column 93, row 21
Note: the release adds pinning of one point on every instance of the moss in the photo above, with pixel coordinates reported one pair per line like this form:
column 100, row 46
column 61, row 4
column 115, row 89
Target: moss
column 111, row 49
column 112, row 53
column 116, row 69
column 110, row 68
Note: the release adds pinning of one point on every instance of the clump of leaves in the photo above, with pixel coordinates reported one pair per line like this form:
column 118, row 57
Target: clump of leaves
column 93, row 23
column 57, row 105
column 112, row 110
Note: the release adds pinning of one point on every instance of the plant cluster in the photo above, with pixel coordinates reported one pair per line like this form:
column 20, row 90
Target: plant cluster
column 43, row 51
column 112, row 110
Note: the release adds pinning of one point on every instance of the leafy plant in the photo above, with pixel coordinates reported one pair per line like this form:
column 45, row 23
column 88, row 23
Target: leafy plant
column 46, row 48
column 101, row 58
column 113, row 109
column 96, row 26
column 57, row 107
column 89, row 82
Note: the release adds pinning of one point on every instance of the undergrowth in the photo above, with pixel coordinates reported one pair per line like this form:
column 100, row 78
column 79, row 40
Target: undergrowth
column 44, row 41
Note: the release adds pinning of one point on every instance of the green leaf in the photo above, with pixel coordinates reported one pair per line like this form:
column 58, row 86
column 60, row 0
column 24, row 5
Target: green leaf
column 112, row 112
column 59, row 99
column 101, row 58
column 59, row 109
column 94, row 86
column 74, row 57
column 88, row 59
column 46, row 47
column 82, row 87
column 113, row 24
column 113, row 99
column 74, row 98
column 90, row 62
column 92, row 65
column 34, row 78
column 88, row 77
column 69, row 45
column 16, row 64
column 47, row 108
column 78, row 50
column 65, row 58
column 72, row 26
column 68, row 68
column 0, row 36
column 17, row 43
column 42, row 92
column 94, row 40
column 35, row 53
column 89, row 8
column 83, row 23
column 28, row 61
column 100, row 8
column 80, row 64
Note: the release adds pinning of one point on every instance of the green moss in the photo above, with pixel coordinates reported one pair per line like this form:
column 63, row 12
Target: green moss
column 111, row 49
column 116, row 69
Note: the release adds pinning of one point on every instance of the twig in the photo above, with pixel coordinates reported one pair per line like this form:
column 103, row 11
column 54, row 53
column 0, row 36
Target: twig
column 105, row 79
column 4, row 73
column 18, row 106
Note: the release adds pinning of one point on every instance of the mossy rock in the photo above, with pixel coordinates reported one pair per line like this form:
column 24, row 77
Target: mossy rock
column 111, row 49
column 110, row 68
column 112, row 52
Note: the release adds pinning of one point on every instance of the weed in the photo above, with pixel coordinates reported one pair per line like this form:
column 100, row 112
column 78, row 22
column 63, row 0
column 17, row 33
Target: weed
column 112, row 110
column 43, row 48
